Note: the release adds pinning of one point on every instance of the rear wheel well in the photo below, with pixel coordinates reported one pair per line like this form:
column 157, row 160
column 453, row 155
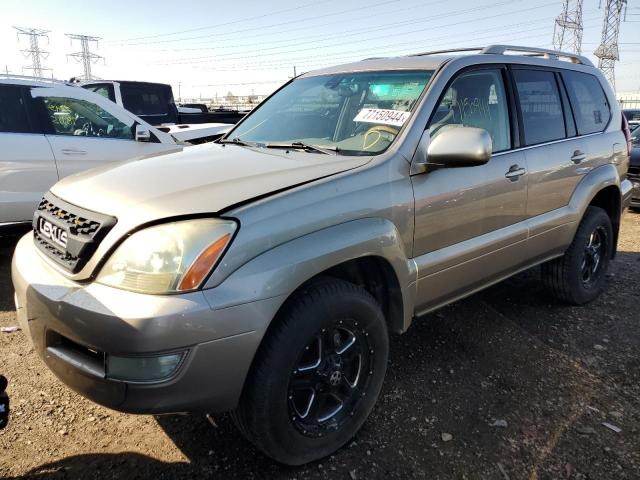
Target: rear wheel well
column 608, row 199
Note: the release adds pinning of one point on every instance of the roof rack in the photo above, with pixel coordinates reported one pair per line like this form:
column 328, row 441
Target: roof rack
column 502, row 49
column 12, row 76
column 543, row 52
column 449, row 50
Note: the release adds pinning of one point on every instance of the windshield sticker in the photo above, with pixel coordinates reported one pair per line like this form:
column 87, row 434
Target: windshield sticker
column 397, row 118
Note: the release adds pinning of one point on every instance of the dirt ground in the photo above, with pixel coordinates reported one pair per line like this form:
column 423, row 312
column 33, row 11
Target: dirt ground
column 521, row 385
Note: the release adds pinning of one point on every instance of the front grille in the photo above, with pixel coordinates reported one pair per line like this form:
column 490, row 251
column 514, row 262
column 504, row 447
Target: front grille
column 84, row 230
column 634, row 173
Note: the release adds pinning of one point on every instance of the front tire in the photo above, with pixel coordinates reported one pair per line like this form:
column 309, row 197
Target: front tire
column 579, row 276
column 317, row 374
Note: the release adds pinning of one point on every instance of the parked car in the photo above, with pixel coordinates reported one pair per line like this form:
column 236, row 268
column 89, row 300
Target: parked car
column 154, row 102
column 49, row 130
column 634, row 167
column 633, row 116
column 264, row 274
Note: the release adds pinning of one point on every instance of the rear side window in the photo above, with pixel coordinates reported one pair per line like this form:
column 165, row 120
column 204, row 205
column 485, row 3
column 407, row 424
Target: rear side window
column 13, row 114
column 542, row 115
column 106, row 90
column 590, row 105
column 146, row 99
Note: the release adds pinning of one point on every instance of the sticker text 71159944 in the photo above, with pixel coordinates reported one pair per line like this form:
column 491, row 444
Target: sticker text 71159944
column 397, row 118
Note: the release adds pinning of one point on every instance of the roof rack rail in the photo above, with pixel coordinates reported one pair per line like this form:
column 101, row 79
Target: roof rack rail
column 13, row 76
column 448, row 50
column 549, row 54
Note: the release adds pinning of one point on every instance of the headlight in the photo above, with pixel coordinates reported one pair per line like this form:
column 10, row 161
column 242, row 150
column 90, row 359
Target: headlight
column 172, row 257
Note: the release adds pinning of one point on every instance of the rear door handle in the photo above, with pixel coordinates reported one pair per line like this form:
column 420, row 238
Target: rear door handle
column 578, row 156
column 515, row 172
column 73, row 151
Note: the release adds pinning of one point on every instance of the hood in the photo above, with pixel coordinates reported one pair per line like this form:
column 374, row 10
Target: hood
column 200, row 179
column 186, row 132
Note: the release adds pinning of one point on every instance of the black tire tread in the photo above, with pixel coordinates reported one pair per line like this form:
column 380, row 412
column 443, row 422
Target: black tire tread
column 299, row 302
column 556, row 273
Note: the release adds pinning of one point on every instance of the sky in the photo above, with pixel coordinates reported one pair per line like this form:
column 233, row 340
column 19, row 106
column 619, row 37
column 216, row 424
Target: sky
column 205, row 48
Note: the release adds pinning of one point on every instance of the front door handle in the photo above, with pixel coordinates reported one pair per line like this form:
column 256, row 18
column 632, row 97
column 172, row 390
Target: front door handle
column 73, row 151
column 577, row 157
column 515, row 172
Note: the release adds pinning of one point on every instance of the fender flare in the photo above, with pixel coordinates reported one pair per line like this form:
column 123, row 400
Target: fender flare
column 278, row 272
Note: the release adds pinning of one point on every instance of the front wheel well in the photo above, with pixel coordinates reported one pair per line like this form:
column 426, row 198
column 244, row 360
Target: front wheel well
column 608, row 199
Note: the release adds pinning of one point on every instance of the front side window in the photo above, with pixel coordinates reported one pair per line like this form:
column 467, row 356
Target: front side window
column 352, row 113
column 13, row 114
column 475, row 99
column 588, row 100
column 540, row 104
column 71, row 116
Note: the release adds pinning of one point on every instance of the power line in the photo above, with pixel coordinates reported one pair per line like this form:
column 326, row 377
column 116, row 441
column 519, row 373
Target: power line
column 315, row 48
column 34, row 51
column 232, row 22
column 86, row 56
column 422, row 20
column 569, row 24
column 262, row 27
column 607, row 52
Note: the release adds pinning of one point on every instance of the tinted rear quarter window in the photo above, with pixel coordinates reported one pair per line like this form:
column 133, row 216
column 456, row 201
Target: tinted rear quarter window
column 542, row 115
column 146, row 99
column 13, row 114
column 589, row 102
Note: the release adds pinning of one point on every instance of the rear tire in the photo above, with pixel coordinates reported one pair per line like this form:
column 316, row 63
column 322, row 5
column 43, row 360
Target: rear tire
column 579, row 276
column 329, row 347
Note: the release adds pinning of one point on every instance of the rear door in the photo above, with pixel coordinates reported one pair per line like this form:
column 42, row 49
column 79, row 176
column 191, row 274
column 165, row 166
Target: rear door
column 85, row 134
column 27, row 166
column 554, row 151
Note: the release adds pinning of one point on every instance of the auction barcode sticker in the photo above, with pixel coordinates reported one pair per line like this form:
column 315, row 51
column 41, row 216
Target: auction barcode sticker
column 386, row 117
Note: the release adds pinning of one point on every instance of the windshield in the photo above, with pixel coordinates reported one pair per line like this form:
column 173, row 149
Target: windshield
column 352, row 114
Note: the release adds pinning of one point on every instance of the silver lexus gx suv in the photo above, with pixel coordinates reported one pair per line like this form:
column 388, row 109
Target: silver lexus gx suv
column 263, row 275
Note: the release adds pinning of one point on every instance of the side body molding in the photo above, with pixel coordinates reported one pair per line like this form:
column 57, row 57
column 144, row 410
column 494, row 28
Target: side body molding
column 280, row 271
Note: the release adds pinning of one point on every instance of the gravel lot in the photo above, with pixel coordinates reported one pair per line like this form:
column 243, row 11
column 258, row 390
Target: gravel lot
column 517, row 384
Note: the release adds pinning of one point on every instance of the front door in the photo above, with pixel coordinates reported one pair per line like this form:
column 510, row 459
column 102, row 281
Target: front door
column 84, row 135
column 469, row 221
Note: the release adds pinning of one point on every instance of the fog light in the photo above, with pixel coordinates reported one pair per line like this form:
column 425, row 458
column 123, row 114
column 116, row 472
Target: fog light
column 143, row 369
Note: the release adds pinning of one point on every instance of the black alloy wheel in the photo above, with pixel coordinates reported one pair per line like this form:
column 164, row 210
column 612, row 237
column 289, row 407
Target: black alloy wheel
column 330, row 378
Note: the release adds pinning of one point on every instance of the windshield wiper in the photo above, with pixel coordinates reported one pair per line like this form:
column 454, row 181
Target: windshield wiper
column 242, row 143
column 305, row 146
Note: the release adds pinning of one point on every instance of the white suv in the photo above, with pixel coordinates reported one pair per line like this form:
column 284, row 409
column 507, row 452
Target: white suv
column 49, row 130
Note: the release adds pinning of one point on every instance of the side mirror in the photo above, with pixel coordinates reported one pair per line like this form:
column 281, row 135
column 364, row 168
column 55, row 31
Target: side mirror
column 142, row 134
column 460, row 147
column 453, row 147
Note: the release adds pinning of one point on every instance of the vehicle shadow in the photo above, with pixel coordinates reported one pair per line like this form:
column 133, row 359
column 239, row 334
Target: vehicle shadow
column 509, row 373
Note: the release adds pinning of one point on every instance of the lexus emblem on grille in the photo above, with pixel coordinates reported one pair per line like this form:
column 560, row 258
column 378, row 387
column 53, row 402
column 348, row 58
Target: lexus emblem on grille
column 54, row 233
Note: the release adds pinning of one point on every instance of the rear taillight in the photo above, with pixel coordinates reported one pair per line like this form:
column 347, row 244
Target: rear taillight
column 627, row 133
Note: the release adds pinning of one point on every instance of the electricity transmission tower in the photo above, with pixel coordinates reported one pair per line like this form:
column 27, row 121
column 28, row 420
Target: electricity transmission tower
column 34, row 51
column 607, row 52
column 86, row 56
column 567, row 32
